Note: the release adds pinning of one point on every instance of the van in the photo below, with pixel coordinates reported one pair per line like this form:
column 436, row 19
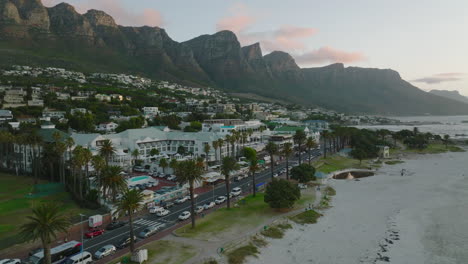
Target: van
column 80, row 258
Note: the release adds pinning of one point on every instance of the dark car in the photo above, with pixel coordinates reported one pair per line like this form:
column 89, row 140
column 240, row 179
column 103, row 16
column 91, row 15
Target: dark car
column 168, row 205
column 124, row 242
column 115, row 225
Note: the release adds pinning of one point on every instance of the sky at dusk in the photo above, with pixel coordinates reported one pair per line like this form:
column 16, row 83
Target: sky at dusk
column 426, row 41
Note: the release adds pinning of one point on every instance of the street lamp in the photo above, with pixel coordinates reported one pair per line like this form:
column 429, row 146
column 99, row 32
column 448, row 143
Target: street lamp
column 82, row 241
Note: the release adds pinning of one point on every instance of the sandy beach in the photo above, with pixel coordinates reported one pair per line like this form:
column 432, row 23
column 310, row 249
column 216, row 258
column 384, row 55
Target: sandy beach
column 388, row 218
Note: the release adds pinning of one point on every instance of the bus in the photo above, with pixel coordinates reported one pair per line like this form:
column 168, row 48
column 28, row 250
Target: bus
column 58, row 253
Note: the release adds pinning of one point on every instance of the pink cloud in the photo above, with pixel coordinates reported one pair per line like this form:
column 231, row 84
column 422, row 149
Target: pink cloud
column 115, row 8
column 440, row 78
column 329, row 55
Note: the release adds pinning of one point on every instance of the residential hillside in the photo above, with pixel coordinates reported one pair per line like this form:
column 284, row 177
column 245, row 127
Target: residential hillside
column 31, row 34
column 455, row 95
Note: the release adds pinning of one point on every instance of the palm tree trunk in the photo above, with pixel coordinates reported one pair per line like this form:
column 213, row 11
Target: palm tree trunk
column 228, row 184
column 272, row 166
column 300, row 154
column 192, row 205
column 324, row 148
column 130, row 223
column 309, row 156
column 287, row 168
column 80, row 187
column 254, row 188
column 46, row 247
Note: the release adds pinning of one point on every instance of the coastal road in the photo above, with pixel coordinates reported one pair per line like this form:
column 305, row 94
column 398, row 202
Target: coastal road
column 113, row 236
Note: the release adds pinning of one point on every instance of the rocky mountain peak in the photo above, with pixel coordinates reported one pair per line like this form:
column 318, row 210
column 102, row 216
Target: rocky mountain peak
column 100, row 18
column 281, row 61
column 252, row 52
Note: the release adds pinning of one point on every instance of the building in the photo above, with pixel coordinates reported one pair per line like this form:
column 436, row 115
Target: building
column 36, row 102
column 107, row 127
column 280, row 140
column 103, row 97
column 384, row 152
column 150, row 111
column 317, row 124
column 49, row 113
column 291, row 130
column 79, row 110
column 5, row 115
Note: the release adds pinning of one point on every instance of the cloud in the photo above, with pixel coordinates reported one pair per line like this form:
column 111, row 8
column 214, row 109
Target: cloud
column 329, row 55
column 440, row 78
column 115, row 8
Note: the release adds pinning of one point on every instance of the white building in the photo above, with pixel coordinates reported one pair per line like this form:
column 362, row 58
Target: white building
column 107, row 127
column 5, row 115
column 150, row 111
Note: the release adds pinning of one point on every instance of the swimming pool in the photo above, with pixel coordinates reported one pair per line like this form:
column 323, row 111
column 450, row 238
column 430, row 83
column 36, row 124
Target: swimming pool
column 139, row 178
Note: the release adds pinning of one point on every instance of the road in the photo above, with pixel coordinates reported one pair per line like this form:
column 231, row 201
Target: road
column 113, row 236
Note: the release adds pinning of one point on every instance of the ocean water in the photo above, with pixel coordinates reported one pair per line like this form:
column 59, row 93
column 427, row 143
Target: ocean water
column 449, row 125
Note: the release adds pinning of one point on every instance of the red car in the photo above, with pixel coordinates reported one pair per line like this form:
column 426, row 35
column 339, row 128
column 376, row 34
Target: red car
column 94, row 232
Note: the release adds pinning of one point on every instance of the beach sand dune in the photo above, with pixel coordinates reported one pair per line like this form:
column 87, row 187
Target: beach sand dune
column 388, row 218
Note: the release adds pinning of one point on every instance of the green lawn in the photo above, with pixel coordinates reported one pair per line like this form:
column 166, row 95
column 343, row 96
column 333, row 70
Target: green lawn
column 433, row 148
column 336, row 162
column 15, row 206
column 224, row 222
column 165, row 252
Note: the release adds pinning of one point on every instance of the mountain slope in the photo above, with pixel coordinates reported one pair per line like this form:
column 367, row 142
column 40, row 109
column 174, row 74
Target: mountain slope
column 32, row 34
column 455, row 95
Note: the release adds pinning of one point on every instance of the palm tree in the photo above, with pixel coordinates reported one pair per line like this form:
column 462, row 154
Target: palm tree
column 154, row 152
column 135, row 154
column 206, row 149
column 310, row 144
column 107, row 150
column 163, row 164
column 112, row 181
column 44, row 224
column 77, row 164
column 261, row 129
column 173, row 164
column 34, row 140
column 189, row 171
column 220, row 145
column 325, row 136
column 87, row 156
column 272, row 149
column 215, row 146
column 299, row 139
column 229, row 164
column 446, row 140
column 253, row 168
column 287, row 151
column 131, row 202
column 228, row 139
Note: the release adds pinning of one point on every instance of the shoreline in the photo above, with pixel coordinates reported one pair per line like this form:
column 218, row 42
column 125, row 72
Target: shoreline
column 392, row 232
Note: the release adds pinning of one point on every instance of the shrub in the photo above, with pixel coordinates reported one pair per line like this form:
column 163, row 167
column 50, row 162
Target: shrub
column 281, row 194
column 303, row 173
column 273, row 232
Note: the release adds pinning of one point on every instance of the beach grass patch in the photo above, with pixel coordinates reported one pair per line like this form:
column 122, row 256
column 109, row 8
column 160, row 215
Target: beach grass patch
column 273, row 232
column 239, row 255
column 307, row 217
column 259, row 241
column 284, row 226
column 393, row 162
column 330, row 191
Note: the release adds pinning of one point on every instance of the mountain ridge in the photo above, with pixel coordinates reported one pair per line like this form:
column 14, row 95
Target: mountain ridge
column 59, row 36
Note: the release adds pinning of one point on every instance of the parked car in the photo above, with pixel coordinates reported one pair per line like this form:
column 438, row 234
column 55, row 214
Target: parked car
column 302, row 186
column 209, row 205
column 115, row 225
column 124, row 242
column 172, row 178
column 220, row 199
column 79, row 258
column 184, row 215
column 236, row 191
column 139, row 169
column 199, row 209
column 275, row 175
column 105, row 251
column 155, row 210
column 168, row 205
column 10, row 261
column 194, row 196
column 149, row 231
column 94, row 233
column 181, row 200
column 35, row 251
column 162, row 212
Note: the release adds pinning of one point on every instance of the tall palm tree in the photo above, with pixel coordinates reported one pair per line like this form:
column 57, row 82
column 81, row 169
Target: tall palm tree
column 189, row 171
column 107, row 150
column 253, row 168
column 220, row 145
column 163, row 164
column 206, row 149
column 87, row 156
column 60, row 149
column 299, row 139
column 34, row 141
column 135, row 154
column 229, row 164
column 173, row 164
column 228, row 139
column 112, row 182
column 77, row 165
column 44, row 224
column 310, row 144
column 272, row 149
column 131, row 201
column 261, row 129
column 325, row 136
column 215, row 146
column 287, row 151
column 446, row 140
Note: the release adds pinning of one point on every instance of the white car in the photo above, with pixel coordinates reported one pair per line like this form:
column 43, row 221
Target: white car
column 172, row 178
column 275, row 175
column 181, row 200
column 194, row 196
column 184, row 215
column 163, row 212
column 155, row 210
column 199, row 209
column 236, row 191
column 220, row 199
column 105, row 251
column 10, row 261
column 209, row 205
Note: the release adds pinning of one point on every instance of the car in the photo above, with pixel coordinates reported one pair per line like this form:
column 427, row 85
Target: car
column 155, row 210
column 94, row 233
column 149, row 231
column 194, row 196
column 115, row 225
column 199, row 209
column 83, row 257
column 10, row 261
column 105, row 251
column 163, row 212
column 209, row 205
column 172, row 178
column 184, row 215
column 168, row 205
column 236, row 191
column 181, row 200
column 302, row 186
column 275, row 175
column 124, row 242
column 139, row 169
column 35, row 251
column 220, row 199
